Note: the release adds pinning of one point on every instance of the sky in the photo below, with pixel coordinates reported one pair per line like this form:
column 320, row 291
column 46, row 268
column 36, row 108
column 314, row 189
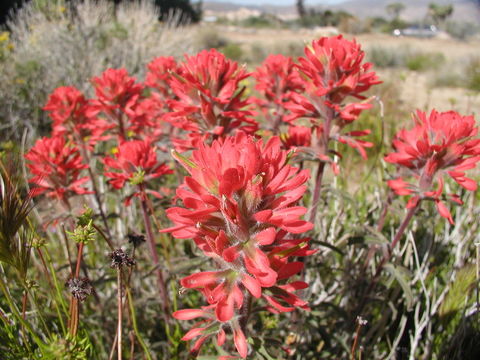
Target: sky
column 278, row 2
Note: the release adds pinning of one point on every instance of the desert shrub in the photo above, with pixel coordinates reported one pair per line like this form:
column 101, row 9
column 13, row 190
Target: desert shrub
column 233, row 51
column 420, row 61
column 461, row 30
column 69, row 45
column 210, row 38
column 472, row 73
column 412, row 59
column 385, row 57
column 448, row 79
column 262, row 21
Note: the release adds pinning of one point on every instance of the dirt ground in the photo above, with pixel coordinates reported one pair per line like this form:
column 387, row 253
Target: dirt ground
column 415, row 88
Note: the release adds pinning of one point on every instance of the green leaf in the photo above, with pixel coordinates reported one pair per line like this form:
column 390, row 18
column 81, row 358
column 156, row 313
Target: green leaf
column 402, row 276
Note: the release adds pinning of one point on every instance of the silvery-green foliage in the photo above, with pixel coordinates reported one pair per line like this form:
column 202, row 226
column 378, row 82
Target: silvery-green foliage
column 56, row 45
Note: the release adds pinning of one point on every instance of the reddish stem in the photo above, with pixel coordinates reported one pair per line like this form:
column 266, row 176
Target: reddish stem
column 74, row 310
column 316, row 192
column 153, row 250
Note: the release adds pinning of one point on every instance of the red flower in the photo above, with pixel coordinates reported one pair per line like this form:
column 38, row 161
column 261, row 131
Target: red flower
column 146, row 117
column 438, row 144
column 275, row 79
column 117, row 96
column 68, row 109
column 56, row 167
column 297, row 136
column 332, row 68
column 210, row 98
column 240, row 206
column 65, row 104
column 159, row 74
column 332, row 71
column 137, row 163
column 209, row 327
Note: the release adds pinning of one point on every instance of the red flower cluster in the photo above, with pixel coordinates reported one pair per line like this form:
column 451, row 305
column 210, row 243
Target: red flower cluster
column 159, row 74
column 276, row 79
column 210, row 100
column 240, row 208
column 135, row 162
column 56, row 166
column 296, row 137
column 438, row 144
column 331, row 71
column 68, row 108
column 117, row 96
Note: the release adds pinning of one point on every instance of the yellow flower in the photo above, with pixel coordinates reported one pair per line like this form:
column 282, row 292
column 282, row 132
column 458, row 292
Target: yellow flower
column 4, row 36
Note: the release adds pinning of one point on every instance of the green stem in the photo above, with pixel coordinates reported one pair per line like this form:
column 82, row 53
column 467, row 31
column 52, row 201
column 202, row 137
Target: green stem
column 17, row 314
column 135, row 326
column 120, row 312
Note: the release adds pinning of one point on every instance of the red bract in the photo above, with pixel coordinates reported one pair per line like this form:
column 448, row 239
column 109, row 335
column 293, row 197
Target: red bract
column 438, row 144
column 56, row 166
column 209, row 327
column 210, row 98
column 332, row 71
column 135, row 162
column 275, row 79
column 68, row 109
column 297, row 137
column 333, row 68
column 117, row 96
column 240, row 209
column 65, row 104
column 159, row 74
column 147, row 117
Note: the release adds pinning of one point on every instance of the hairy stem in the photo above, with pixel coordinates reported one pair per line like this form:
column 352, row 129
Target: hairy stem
column 156, row 262
column 316, row 192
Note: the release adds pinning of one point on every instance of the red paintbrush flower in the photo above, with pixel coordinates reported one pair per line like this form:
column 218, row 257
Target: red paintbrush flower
column 65, row 104
column 68, row 109
column 159, row 74
column 297, row 137
column 209, row 327
column 146, row 118
column 240, row 207
column 332, row 71
column 333, row 68
column 135, row 162
column 56, row 166
column 210, row 98
column 117, row 96
column 439, row 144
column 275, row 79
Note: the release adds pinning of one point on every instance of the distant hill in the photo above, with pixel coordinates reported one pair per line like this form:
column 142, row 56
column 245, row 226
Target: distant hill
column 464, row 10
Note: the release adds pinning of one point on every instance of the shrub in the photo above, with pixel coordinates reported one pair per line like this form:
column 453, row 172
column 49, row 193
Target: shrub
column 70, row 45
column 384, row 57
column 472, row 73
column 419, row 61
column 233, row 51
